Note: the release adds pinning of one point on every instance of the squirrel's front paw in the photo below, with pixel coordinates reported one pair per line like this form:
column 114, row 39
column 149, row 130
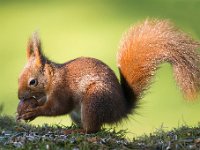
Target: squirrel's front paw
column 30, row 114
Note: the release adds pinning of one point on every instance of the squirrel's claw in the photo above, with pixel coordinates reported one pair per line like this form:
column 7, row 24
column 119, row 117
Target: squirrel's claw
column 18, row 118
column 29, row 115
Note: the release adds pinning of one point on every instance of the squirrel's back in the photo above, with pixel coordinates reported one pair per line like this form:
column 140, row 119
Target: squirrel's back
column 87, row 75
column 85, row 71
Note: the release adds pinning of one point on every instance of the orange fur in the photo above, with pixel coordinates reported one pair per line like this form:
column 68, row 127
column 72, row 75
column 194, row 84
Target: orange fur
column 147, row 45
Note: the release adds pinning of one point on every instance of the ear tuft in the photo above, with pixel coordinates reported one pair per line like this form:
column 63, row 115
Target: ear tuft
column 29, row 49
column 36, row 41
column 34, row 47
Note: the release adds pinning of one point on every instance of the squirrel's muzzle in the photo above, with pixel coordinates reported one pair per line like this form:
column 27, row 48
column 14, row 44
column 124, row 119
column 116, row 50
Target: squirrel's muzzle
column 23, row 95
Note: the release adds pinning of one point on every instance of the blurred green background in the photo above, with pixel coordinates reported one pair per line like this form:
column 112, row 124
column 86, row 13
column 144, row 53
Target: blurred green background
column 70, row 29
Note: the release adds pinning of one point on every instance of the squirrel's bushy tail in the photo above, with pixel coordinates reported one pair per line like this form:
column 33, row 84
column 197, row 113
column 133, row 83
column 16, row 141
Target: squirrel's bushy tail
column 147, row 45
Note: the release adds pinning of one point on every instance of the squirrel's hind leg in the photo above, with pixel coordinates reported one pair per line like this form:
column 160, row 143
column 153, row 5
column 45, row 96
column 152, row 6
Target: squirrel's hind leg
column 87, row 125
column 95, row 108
column 90, row 119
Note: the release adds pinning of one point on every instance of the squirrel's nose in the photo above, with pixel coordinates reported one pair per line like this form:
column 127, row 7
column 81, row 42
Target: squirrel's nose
column 22, row 95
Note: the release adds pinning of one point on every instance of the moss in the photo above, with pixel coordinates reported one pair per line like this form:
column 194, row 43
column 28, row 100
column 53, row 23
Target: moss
column 24, row 136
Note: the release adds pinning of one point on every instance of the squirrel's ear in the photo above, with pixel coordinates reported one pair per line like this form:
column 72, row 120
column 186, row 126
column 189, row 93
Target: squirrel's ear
column 34, row 48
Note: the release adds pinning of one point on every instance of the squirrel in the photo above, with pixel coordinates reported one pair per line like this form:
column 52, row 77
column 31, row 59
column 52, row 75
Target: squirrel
column 89, row 91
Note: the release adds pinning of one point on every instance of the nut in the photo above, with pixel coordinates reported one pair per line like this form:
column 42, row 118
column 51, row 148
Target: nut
column 25, row 105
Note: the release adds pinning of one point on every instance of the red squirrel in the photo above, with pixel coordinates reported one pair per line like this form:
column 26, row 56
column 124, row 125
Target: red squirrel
column 89, row 90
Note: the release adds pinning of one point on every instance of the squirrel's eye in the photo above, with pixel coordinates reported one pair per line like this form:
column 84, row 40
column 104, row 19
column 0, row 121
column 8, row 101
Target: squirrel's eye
column 33, row 82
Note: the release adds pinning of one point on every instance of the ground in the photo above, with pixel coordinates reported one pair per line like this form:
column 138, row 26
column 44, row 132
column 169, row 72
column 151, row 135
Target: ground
column 24, row 136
